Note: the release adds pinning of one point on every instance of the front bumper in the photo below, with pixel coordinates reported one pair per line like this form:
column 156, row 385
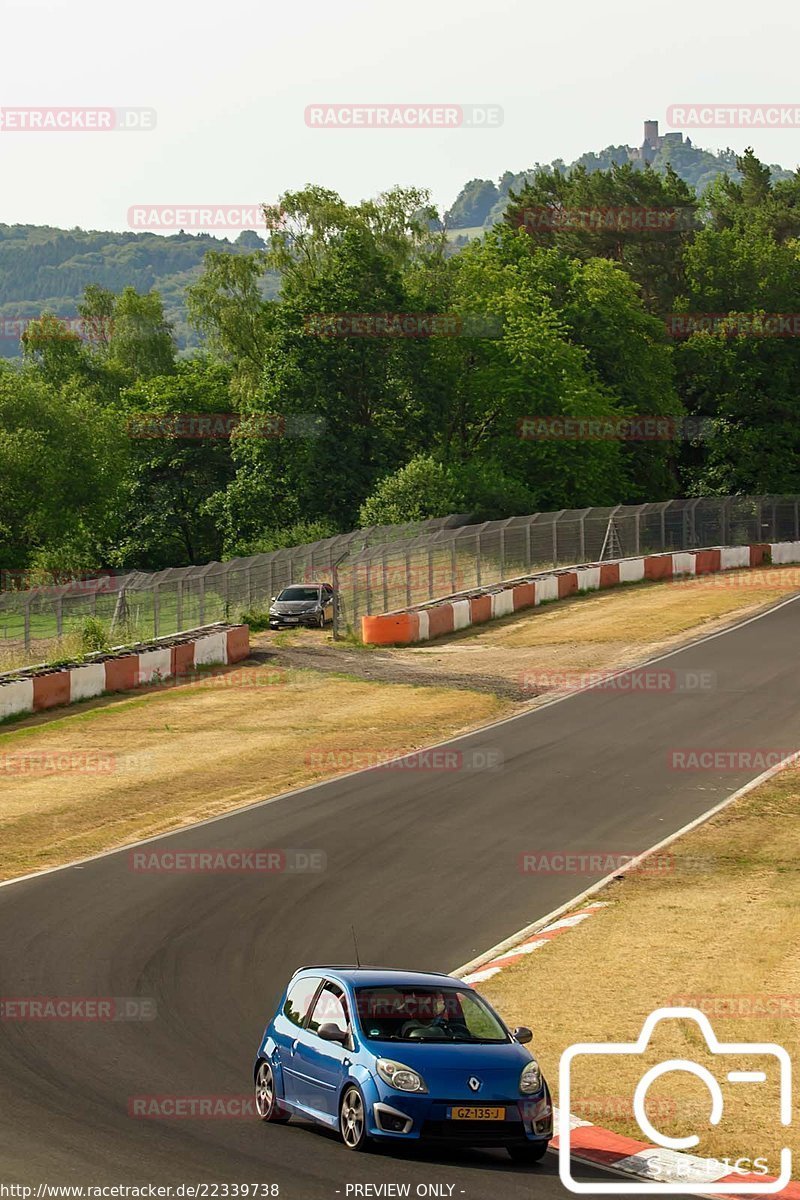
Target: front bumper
column 293, row 620
column 398, row 1116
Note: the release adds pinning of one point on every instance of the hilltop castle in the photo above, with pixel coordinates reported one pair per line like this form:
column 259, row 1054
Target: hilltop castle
column 653, row 142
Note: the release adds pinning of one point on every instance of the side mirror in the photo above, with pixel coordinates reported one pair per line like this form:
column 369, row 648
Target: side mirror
column 522, row 1035
column 272, row 599
column 332, row 1033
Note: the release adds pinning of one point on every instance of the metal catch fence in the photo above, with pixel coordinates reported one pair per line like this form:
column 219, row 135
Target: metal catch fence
column 380, row 569
column 452, row 560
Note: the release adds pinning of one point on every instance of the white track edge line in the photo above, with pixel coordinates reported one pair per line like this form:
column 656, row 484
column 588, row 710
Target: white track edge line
column 516, row 938
column 235, row 812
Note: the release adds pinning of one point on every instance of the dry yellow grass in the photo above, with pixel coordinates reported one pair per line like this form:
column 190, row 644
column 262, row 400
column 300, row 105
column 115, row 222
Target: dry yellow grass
column 605, row 629
column 720, row 930
column 146, row 765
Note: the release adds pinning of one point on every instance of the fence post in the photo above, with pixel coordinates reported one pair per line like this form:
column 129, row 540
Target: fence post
column 453, row 566
column 179, row 606
column 27, row 627
column 502, row 551
column 335, row 582
column 723, row 523
column 156, row 606
column 59, row 616
column 430, row 571
column 555, row 542
column 582, row 552
column 796, row 521
column 528, row 545
column 478, row 557
column 248, row 575
column 202, row 599
column 385, row 579
column 408, row 576
column 636, row 528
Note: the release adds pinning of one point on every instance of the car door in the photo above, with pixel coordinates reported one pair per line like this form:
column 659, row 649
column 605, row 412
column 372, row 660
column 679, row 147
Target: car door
column 321, row 1066
column 288, row 1027
column 327, row 600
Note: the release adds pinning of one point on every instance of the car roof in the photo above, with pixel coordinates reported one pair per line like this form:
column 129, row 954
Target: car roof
column 379, row 976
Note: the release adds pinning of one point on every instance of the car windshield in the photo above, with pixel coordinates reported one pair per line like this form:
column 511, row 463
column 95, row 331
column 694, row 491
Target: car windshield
column 299, row 593
column 414, row 1014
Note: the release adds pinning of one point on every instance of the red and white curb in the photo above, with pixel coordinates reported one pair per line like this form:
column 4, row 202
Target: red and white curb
column 543, row 938
column 591, row 1144
column 449, row 614
column 36, row 689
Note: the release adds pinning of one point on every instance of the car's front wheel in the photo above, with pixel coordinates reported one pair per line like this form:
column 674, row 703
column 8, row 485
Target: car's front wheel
column 532, row 1153
column 352, row 1119
column 267, row 1105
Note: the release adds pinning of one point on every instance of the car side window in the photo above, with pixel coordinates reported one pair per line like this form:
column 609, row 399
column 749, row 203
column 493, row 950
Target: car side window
column 330, row 1009
column 299, row 997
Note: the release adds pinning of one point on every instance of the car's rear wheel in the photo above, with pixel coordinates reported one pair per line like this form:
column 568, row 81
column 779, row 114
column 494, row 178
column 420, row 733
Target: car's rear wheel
column 267, row 1105
column 532, row 1153
column 352, row 1119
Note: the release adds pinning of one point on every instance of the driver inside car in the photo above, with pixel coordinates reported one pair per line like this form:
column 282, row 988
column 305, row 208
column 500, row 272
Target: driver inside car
column 431, row 1019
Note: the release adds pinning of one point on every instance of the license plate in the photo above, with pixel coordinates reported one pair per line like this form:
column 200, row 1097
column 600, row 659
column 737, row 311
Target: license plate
column 291, row 620
column 470, row 1113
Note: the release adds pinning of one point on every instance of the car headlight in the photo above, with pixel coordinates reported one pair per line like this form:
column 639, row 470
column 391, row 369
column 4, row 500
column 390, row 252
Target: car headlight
column 399, row 1076
column 531, row 1078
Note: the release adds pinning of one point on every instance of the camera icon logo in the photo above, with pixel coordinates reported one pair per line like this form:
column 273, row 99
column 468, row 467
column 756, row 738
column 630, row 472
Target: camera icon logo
column 734, row 1052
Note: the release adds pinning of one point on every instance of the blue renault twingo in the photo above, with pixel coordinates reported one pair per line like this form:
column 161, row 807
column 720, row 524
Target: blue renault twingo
column 394, row 1056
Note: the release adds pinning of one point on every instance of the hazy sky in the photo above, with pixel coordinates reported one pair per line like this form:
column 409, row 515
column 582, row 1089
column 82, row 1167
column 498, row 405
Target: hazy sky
column 230, row 83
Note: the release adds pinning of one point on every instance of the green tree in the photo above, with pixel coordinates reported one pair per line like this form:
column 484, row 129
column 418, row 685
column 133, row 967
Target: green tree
column 165, row 518
column 61, row 462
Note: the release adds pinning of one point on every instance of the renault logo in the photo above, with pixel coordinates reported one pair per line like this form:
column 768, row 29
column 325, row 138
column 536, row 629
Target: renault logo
column 474, row 1083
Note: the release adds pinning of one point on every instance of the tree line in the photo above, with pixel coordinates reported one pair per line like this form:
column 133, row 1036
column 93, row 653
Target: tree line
column 390, row 379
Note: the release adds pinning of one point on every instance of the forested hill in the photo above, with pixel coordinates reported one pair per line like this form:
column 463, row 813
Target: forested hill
column 43, row 268
column 481, row 202
column 47, row 269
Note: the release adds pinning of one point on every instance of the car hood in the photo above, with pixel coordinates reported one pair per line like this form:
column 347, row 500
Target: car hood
column 447, row 1069
column 294, row 606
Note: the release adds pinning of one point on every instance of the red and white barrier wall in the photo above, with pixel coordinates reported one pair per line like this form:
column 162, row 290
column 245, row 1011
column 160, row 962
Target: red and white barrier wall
column 452, row 613
column 49, row 687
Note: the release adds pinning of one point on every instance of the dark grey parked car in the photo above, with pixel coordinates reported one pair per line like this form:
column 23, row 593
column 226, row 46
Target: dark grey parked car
column 302, row 604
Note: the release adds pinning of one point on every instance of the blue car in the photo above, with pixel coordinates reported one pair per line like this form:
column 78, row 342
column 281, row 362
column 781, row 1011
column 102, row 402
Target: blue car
column 393, row 1056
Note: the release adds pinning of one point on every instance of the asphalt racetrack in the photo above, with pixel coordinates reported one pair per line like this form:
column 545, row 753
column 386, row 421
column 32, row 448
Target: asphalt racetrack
column 423, row 862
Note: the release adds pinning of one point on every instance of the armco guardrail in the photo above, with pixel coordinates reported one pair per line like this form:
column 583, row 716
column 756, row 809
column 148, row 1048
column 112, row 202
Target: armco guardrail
column 451, row 613
column 38, row 688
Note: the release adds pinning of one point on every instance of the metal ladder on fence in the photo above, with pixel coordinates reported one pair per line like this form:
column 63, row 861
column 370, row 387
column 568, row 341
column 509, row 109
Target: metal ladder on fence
column 611, row 541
